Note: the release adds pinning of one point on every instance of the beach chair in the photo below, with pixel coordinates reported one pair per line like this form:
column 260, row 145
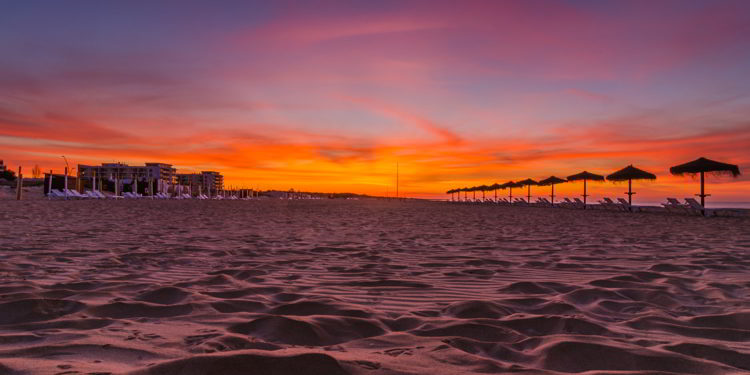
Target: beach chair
column 54, row 193
column 76, row 194
column 91, row 194
column 579, row 203
column 609, row 204
column 695, row 208
column 543, row 202
column 627, row 206
column 674, row 206
column 99, row 194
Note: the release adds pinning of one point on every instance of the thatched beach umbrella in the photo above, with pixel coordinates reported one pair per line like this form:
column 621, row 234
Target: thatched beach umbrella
column 494, row 187
column 551, row 181
column 703, row 165
column 585, row 176
column 483, row 189
column 465, row 190
column 528, row 182
column 509, row 185
column 451, row 192
column 629, row 174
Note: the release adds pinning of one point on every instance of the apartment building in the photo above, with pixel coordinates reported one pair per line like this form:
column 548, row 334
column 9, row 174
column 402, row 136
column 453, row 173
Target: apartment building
column 163, row 175
column 205, row 181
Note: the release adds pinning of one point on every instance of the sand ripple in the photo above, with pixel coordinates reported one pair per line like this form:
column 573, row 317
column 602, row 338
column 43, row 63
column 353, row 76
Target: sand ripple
column 357, row 287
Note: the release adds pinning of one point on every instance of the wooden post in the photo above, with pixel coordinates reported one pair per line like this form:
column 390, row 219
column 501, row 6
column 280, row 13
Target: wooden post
column 584, row 194
column 19, row 186
column 703, row 191
column 49, row 190
column 630, row 192
column 66, row 183
column 703, row 194
column 553, row 194
column 529, row 197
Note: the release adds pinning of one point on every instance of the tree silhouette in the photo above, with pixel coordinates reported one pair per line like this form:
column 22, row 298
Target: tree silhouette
column 36, row 172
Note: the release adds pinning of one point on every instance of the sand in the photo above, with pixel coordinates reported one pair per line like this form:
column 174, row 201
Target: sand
column 368, row 287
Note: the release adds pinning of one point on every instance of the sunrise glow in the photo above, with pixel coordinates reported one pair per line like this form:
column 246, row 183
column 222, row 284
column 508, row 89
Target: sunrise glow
column 330, row 97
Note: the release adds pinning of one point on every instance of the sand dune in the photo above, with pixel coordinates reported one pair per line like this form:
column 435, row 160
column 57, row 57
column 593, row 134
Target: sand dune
column 368, row 287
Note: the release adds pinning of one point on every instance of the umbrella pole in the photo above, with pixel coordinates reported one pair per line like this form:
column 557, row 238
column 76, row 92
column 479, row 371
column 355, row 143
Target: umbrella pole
column 529, row 194
column 510, row 195
column 703, row 191
column 495, row 195
column 630, row 194
column 584, row 194
column 553, row 194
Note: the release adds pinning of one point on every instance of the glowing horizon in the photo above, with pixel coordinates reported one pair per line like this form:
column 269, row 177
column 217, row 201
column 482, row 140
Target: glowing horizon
column 329, row 97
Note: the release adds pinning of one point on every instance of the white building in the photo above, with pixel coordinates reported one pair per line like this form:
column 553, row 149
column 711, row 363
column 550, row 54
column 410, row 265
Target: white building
column 162, row 174
column 205, row 181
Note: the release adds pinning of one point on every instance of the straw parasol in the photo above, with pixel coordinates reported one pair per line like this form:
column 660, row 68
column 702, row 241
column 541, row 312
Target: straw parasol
column 585, row 176
column 629, row 174
column 483, row 189
column 703, row 165
column 551, row 181
column 451, row 192
column 509, row 185
column 494, row 187
column 528, row 182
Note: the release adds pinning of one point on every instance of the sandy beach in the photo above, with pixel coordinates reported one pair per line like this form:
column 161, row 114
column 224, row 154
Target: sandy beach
column 368, row 287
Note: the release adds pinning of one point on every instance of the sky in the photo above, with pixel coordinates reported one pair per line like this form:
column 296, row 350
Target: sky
column 332, row 96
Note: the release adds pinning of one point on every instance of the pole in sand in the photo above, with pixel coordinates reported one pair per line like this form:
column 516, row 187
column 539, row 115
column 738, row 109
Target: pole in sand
column 49, row 189
column 66, row 183
column 19, row 187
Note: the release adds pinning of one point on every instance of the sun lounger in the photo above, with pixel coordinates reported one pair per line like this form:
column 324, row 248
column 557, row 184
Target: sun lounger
column 674, row 206
column 54, row 193
column 542, row 202
column 609, row 204
column 697, row 209
column 520, row 202
column 76, row 194
column 91, row 194
column 566, row 203
column 579, row 203
column 627, row 206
